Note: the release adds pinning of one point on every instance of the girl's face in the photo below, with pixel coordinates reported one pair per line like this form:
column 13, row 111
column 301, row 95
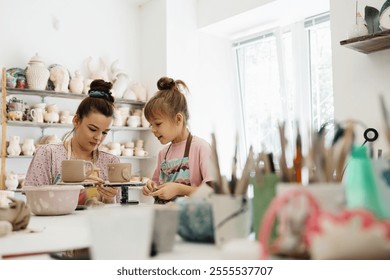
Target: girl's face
column 165, row 129
column 91, row 130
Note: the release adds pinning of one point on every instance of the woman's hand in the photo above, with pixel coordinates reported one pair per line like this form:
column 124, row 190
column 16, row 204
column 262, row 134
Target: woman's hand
column 107, row 194
column 149, row 188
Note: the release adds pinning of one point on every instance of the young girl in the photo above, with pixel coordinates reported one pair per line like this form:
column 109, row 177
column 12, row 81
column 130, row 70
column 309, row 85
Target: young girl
column 182, row 165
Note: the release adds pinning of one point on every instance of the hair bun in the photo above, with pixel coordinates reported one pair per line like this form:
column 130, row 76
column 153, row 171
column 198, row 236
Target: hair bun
column 166, row 83
column 101, row 85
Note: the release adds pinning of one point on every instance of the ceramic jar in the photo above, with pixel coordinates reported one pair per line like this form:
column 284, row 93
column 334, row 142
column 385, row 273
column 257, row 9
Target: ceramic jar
column 11, row 181
column 77, row 83
column 358, row 29
column 14, row 146
column 37, row 74
column 120, row 85
column 28, row 147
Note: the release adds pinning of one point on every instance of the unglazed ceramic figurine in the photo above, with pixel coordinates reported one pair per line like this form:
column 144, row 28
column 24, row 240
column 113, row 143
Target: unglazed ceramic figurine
column 11, row 181
column 28, row 147
column 100, row 73
column 60, row 77
column 76, row 84
column 14, row 146
column 120, row 80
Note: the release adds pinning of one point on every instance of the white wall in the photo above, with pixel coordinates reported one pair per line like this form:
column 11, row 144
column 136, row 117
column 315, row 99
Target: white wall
column 212, row 11
column 94, row 28
column 358, row 78
column 67, row 32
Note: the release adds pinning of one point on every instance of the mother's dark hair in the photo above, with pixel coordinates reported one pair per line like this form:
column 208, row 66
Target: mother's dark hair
column 100, row 100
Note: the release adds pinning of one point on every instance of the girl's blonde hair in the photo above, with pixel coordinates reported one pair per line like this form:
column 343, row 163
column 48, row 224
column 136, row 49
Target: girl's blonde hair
column 168, row 101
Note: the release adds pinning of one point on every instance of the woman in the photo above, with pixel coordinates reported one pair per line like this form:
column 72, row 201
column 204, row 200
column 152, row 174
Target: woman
column 91, row 123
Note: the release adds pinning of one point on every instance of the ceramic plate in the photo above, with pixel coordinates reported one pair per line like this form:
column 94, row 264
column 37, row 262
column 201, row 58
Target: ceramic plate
column 16, row 72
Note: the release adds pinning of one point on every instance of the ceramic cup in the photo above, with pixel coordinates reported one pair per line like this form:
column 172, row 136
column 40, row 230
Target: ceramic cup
column 119, row 172
column 134, row 121
column 75, row 170
column 140, row 152
column 129, row 144
column 128, row 152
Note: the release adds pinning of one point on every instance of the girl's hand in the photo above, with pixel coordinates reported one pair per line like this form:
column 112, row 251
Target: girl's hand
column 149, row 188
column 167, row 191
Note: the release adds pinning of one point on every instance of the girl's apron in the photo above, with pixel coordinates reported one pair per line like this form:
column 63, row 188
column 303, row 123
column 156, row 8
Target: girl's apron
column 176, row 170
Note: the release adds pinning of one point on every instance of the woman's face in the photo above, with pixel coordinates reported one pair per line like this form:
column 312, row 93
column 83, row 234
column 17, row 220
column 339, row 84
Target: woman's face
column 165, row 129
column 91, row 130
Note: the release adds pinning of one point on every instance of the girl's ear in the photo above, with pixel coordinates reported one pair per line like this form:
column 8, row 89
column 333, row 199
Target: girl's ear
column 179, row 118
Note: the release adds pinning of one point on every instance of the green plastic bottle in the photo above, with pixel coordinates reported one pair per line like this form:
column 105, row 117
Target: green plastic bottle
column 360, row 185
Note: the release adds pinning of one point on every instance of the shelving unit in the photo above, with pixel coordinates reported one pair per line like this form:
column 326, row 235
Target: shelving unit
column 369, row 43
column 43, row 94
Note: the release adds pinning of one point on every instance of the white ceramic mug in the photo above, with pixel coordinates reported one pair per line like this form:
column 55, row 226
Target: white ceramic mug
column 128, row 152
column 140, row 152
column 37, row 115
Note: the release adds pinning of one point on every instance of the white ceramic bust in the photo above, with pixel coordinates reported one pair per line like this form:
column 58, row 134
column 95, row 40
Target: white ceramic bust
column 60, row 77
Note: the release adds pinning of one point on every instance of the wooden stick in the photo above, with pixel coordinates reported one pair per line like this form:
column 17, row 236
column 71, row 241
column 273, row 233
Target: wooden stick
column 3, row 128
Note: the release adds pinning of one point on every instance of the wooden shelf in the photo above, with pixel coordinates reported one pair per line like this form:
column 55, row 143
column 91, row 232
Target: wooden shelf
column 50, row 93
column 369, row 43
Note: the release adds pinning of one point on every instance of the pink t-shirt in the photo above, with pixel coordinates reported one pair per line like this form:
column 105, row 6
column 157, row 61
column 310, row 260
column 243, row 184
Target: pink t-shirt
column 47, row 161
column 199, row 160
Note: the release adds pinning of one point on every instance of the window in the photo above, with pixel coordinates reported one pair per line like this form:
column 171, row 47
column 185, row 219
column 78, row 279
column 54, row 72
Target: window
column 285, row 75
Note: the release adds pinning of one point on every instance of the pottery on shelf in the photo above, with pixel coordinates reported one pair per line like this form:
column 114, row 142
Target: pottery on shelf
column 14, row 146
column 359, row 28
column 120, row 79
column 11, row 181
column 37, row 74
column 384, row 16
column 140, row 91
column 60, row 77
column 77, row 83
column 28, row 147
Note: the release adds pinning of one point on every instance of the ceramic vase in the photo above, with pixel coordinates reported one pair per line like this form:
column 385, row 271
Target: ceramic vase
column 358, row 29
column 120, row 84
column 77, row 83
column 11, row 181
column 37, row 74
column 14, row 146
column 28, row 147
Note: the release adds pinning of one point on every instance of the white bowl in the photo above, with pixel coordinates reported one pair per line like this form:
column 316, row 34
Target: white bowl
column 52, row 199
